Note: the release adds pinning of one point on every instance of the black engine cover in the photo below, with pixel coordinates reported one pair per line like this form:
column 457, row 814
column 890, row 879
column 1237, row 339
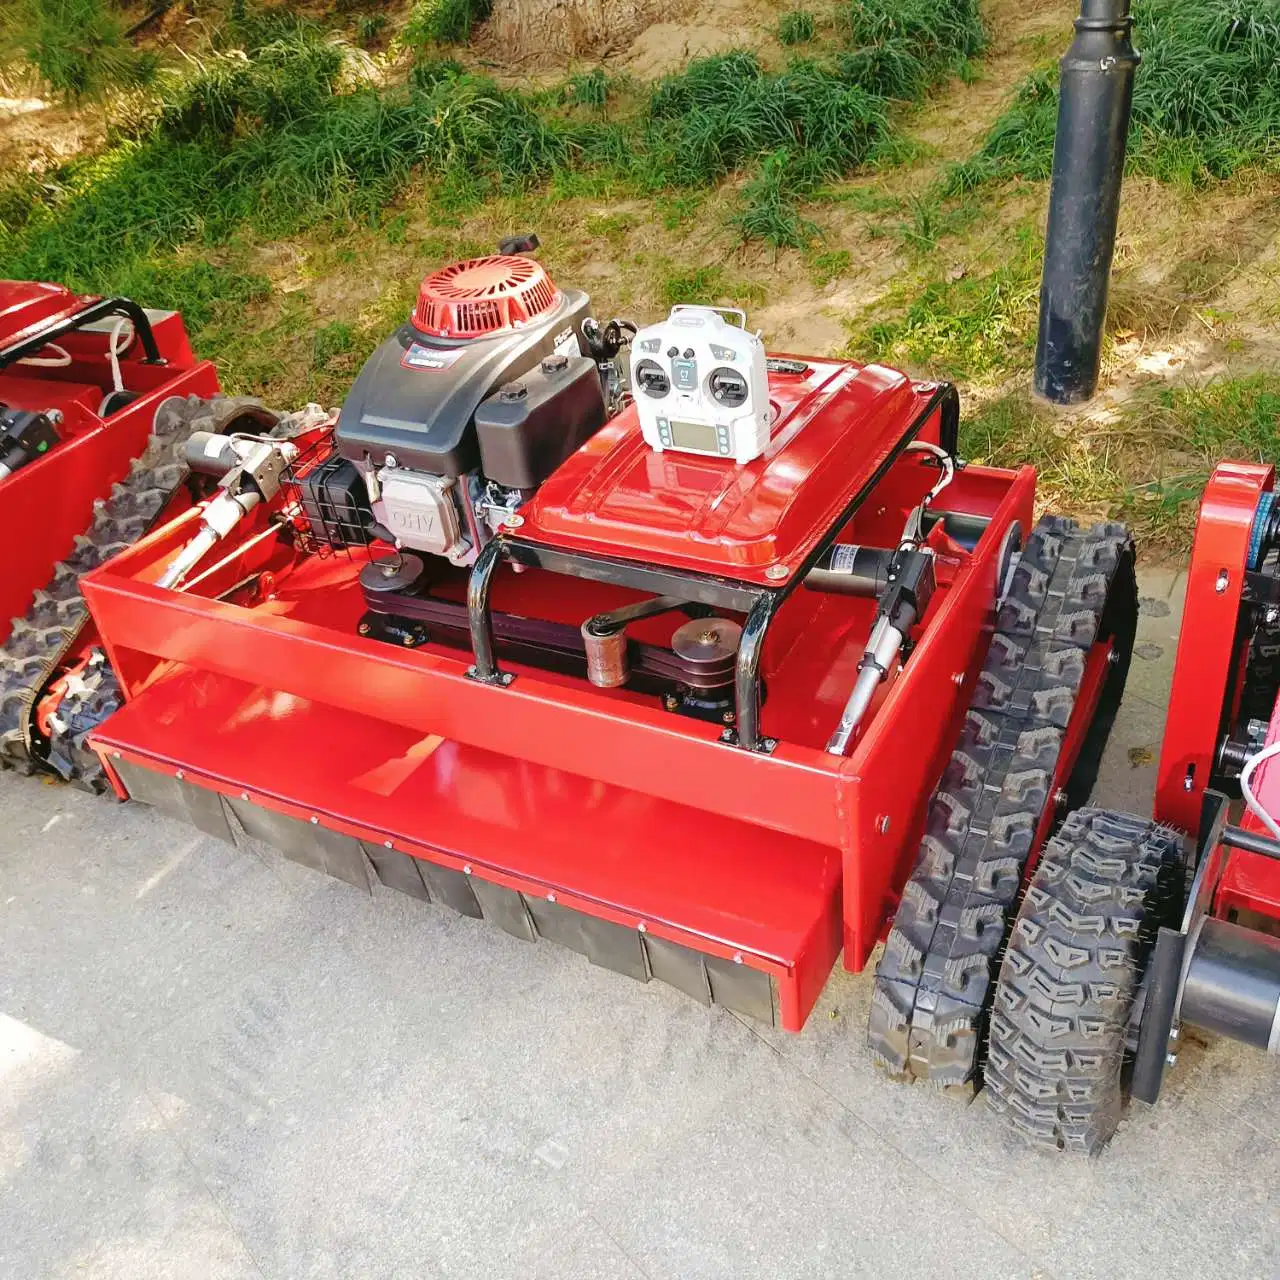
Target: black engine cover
column 417, row 395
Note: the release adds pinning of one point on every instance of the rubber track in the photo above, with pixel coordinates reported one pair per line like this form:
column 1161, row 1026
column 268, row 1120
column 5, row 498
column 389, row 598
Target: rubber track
column 40, row 639
column 935, row 979
column 1070, row 975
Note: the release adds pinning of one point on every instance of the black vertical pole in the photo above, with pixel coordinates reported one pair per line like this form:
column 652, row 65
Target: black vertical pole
column 1084, row 200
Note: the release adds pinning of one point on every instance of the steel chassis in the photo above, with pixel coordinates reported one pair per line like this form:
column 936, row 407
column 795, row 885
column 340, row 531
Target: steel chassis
column 735, row 866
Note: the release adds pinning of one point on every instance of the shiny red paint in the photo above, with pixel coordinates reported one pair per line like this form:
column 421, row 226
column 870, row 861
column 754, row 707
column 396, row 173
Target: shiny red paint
column 27, row 306
column 1208, row 647
column 837, row 425
column 620, row 808
column 50, row 501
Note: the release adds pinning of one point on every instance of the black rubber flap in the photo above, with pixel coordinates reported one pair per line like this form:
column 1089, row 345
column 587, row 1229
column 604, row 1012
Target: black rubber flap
column 601, row 941
column 179, row 799
column 306, row 842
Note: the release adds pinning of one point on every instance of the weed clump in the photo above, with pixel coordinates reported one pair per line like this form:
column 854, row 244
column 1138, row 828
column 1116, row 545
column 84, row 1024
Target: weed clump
column 433, row 22
column 77, row 47
column 797, row 27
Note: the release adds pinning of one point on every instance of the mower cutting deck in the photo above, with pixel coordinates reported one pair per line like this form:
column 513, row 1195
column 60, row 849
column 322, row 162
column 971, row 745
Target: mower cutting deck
column 669, row 681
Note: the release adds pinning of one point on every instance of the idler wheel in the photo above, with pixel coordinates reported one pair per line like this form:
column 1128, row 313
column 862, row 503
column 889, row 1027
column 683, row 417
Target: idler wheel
column 708, row 650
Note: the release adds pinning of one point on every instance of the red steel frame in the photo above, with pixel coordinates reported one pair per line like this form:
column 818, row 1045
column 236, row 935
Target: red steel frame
column 1205, row 694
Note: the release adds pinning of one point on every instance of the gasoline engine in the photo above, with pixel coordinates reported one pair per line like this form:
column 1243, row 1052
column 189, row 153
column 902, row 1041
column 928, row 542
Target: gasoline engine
column 457, row 418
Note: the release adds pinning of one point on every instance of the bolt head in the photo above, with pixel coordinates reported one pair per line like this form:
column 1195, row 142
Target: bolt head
column 1171, row 1059
column 466, row 871
column 1174, row 1032
column 407, row 642
column 776, row 572
column 957, row 678
column 642, row 927
column 737, row 958
column 180, row 775
column 551, row 897
column 882, row 824
column 363, row 628
column 1221, row 584
column 1272, row 614
column 386, row 844
column 314, row 820
column 391, row 460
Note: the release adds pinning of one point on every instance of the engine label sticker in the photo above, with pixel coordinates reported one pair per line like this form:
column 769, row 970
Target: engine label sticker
column 566, row 343
column 420, row 357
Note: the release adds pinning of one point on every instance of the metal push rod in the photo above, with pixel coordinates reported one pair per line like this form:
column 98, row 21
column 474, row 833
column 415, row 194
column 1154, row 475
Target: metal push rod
column 1095, row 97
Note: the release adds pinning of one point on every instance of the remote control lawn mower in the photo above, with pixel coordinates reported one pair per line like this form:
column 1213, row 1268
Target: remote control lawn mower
column 96, row 395
column 705, row 664
column 1132, row 929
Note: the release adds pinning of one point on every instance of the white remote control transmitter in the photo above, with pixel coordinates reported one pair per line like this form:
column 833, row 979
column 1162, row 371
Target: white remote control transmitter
column 701, row 384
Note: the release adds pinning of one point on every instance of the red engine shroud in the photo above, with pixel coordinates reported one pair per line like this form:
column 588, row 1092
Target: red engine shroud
column 264, row 701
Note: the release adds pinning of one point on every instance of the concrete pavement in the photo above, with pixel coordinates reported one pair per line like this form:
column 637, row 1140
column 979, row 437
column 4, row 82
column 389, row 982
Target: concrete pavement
column 216, row 1064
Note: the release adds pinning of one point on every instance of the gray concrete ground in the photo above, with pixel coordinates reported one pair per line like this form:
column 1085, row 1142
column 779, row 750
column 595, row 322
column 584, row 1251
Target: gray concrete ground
column 220, row 1065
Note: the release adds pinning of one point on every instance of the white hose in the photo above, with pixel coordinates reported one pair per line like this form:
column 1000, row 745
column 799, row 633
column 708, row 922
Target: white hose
column 59, row 360
column 913, row 534
column 1246, row 789
column 115, row 349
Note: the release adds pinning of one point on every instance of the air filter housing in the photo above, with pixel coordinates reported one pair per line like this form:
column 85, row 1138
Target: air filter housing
column 483, row 295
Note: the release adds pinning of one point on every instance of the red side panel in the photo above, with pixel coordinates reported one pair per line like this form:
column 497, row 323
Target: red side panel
column 837, row 426
column 51, row 500
column 1207, row 646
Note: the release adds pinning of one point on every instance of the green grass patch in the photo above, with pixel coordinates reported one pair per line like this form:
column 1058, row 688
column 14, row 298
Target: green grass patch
column 970, row 326
column 434, row 22
column 276, row 129
column 1149, row 464
column 76, row 47
column 1206, row 99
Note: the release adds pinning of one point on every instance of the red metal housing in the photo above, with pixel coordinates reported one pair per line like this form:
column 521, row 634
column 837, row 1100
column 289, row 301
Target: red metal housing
column 51, row 499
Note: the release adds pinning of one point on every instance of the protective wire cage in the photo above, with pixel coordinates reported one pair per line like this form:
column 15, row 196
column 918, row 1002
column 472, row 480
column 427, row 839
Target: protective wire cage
column 324, row 501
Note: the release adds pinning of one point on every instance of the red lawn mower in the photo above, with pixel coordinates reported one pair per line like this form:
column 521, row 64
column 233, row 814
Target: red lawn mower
column 644, row 642
column 97, row 398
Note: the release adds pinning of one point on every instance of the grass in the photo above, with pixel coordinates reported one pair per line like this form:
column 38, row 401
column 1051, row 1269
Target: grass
column 434, row 22
column 280, row 128
column 967, row 325
column 797, row 27
column 1147, row 465
column 77, row 47
column 1206, row 99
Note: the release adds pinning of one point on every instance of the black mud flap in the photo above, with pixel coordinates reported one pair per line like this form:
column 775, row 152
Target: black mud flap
column 708, row 979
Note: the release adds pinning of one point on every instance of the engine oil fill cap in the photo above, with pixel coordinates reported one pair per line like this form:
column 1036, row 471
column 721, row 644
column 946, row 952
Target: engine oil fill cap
column 555, row 363
column 513, row 391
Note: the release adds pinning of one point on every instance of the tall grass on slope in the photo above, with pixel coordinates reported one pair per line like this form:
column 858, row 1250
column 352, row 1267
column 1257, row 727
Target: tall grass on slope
column 1206, row 99
column 278, row 133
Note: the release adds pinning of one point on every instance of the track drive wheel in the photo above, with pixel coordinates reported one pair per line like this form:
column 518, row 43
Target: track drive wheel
column 1029, row 747
column 1059, row 1059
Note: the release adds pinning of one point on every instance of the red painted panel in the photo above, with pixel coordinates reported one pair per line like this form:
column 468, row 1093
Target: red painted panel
column 836, row 426
column 26, row 306
column 1207, row 645
column 706, row 880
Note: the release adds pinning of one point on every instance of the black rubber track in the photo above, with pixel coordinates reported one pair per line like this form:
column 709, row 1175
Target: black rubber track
column 40, row 639
column 935, row 980
column 1056, row 1066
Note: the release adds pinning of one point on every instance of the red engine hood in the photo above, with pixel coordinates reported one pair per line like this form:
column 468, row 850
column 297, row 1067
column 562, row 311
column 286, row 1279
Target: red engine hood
column 837, row 425
column 26, row 307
